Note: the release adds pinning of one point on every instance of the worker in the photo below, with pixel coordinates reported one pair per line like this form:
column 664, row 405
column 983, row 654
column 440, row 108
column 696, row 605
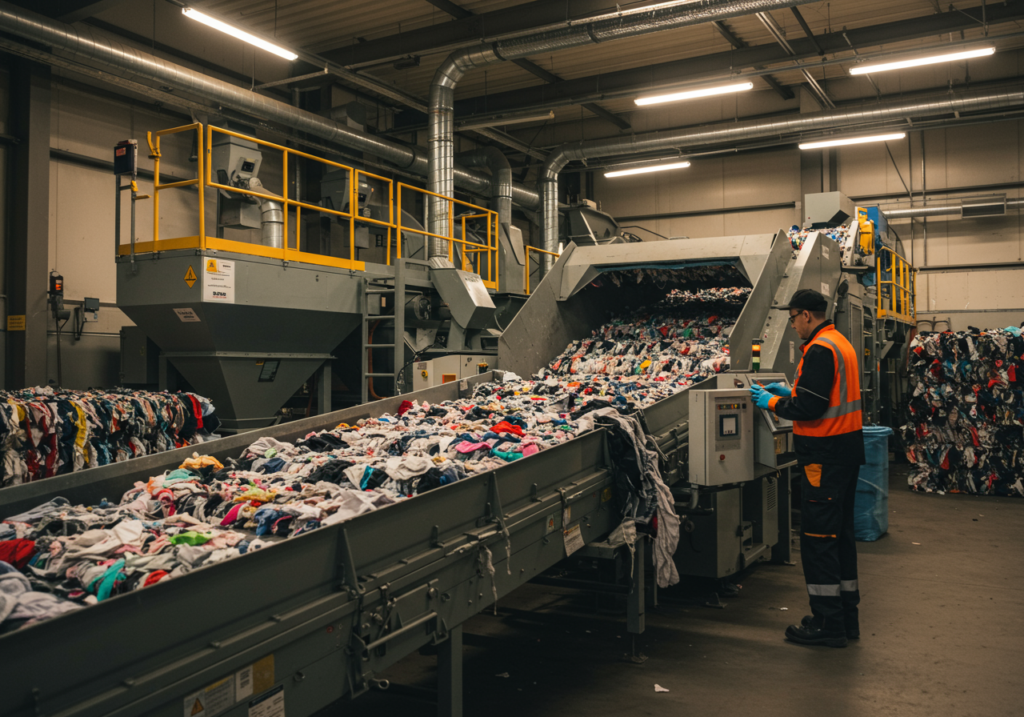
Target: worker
column 825, row 407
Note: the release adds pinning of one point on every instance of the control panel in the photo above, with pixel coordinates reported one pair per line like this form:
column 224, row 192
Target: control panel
column 721, row 436
column 773, row 436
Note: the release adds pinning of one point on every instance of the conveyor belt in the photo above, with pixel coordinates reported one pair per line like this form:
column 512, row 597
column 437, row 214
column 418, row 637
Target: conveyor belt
column 328, row 609
column 337, row 604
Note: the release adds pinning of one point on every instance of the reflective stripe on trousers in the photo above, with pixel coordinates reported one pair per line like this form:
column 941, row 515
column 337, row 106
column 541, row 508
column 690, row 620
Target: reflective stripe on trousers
column 823, row 590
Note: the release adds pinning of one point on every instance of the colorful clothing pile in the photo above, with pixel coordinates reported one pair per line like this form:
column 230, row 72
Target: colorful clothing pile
column 965, row 427
column 46, row 432
column 798, row 236
column 205, row 512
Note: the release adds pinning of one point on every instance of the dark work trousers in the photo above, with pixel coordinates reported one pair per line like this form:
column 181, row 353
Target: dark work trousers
column 827, row 545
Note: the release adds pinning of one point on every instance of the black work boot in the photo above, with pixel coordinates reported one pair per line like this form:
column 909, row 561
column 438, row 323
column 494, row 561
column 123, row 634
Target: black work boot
column 851, row 623
column 814, row 635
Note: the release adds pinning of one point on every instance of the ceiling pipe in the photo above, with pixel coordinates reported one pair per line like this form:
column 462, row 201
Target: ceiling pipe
column 851, row 118
column 127, row 62
column 441, row 115
column 960, row 210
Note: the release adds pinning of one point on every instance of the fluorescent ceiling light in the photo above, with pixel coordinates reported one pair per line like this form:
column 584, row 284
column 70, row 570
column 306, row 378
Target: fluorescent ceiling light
column 853, row 140
column 510, row 118
column 933, row 60
column 239, row 33
column 645, row 170
column 691, row 94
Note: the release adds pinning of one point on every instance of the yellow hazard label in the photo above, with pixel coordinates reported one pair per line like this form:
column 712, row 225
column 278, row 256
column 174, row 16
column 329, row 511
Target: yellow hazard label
column 16, row 323
column 211, row 266
column 606, row 495
column 197, row 707
column 190, row 277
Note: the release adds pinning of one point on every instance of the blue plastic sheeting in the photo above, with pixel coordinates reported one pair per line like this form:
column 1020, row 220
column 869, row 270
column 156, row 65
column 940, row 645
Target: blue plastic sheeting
column 871, row 507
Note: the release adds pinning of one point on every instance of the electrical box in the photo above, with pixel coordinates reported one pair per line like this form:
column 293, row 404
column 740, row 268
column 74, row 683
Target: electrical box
column 773, row 435
column 721, row 436
column 445, row 369
column 126, row 157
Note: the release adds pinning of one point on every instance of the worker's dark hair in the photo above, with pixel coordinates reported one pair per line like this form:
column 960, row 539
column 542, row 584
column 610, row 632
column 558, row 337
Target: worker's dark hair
column 818, row 315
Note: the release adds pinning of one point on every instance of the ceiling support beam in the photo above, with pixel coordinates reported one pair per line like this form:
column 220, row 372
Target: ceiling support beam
column 784, row 92
column 445, row 37
column 817, row 90
column 70, row 10
column 725, row 64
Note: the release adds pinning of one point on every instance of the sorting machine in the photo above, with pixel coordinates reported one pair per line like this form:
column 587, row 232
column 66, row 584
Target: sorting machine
column 310, row 620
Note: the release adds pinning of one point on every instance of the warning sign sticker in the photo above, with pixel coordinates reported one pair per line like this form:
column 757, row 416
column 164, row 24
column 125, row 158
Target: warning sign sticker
column 212, row 701
column 268, row 705
column 190, row 277
column 219, row 281
column 187, row 315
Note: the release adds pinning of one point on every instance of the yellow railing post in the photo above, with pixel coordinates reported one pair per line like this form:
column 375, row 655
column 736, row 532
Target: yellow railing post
column 201, row 186
column 156, row 184
column 353, row 202
column 285, row 204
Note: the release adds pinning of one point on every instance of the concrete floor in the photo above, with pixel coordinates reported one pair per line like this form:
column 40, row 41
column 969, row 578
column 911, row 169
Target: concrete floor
column 942, row 619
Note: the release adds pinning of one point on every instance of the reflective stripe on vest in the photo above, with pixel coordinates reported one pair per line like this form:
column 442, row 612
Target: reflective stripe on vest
column 843, row 414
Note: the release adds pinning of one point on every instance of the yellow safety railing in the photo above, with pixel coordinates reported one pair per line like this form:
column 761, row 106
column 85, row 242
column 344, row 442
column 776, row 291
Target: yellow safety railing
column 897, row 294
column 154, row 151
column 526, row 278
column 471, row 256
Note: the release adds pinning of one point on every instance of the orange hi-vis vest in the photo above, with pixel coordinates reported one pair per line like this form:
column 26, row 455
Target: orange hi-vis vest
column 844, row 404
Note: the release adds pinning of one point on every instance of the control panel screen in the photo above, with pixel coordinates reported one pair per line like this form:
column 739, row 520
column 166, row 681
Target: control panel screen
column 729, row 426
column 248, row 165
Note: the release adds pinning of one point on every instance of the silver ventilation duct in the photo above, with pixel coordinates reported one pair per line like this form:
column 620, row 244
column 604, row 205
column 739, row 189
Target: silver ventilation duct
column 126, row 62
column 960, row 210
column 857, row 117
column 272, row 223
column 501, row 178
column 441, row 171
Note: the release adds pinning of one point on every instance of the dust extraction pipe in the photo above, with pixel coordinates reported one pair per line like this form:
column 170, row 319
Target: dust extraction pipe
column 501, row 178
column 959, row 210
column 860, row 116
column 127, row 62
column 441, row 171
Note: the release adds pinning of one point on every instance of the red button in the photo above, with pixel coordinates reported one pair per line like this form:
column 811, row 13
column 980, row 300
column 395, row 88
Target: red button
column 721, row 457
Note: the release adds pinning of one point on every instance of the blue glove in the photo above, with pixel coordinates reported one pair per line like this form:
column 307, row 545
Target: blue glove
column 779, row 389
column 760, row 396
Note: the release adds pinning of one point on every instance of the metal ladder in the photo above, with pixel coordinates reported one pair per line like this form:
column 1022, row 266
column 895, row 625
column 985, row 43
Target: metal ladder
column 375, row 289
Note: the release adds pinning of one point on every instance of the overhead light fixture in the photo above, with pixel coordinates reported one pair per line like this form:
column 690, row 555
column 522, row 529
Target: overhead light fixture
column 238, row 32
column 509, row 118
column 853, row 140
column 933, row 60
column 692, row 94
column 645, row 170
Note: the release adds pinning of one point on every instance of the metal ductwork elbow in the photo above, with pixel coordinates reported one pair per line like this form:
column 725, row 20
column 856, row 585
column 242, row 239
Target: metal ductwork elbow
column 272, row 223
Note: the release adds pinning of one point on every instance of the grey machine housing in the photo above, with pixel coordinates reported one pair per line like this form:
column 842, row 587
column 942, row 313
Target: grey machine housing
column 339, row 605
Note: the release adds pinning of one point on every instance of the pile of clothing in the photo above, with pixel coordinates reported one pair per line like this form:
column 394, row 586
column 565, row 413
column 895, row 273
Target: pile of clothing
column 798, row 236
column 965, row 419
column 47, row 432
column 59, row 557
